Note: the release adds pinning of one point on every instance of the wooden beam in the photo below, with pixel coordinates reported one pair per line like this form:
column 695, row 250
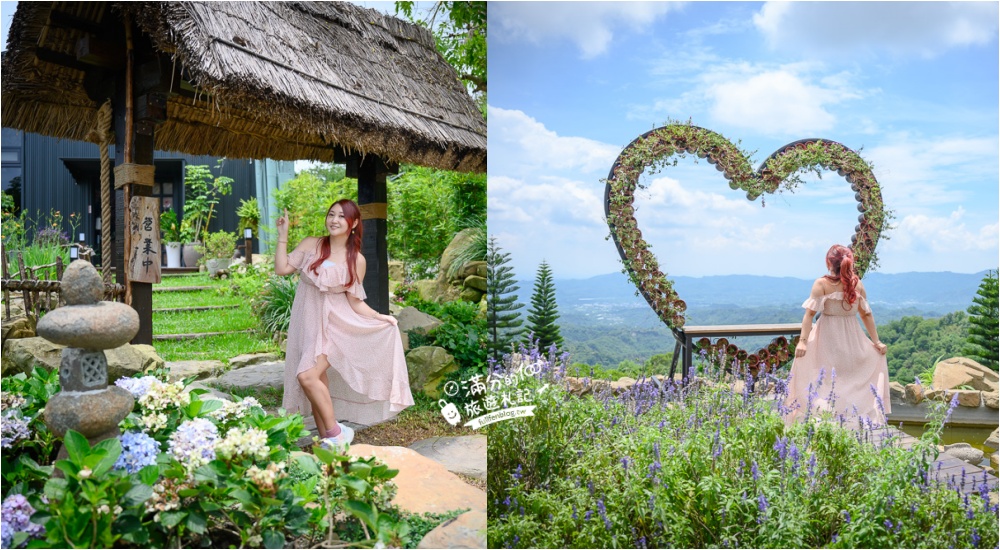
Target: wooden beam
column 372, row 191
column 63, row 60
column 91, row 50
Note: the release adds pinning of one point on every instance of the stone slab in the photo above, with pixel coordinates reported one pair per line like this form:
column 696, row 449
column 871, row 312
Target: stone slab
column 466, row 531
column 464, row 455
column 179, row 370
column 264, row 375
column 245, row 360
column 424, row 484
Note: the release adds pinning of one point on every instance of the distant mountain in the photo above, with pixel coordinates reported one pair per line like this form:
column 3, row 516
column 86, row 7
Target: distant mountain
column 628, row 328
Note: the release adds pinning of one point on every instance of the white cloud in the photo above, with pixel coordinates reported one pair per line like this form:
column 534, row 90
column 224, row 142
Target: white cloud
column 591, row 26
column 905, row 28
column 922, row 233
column 776, row 102
column 529, row 143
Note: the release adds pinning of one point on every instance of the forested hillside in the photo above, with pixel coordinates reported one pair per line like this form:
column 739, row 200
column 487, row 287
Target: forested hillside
column 916, row 344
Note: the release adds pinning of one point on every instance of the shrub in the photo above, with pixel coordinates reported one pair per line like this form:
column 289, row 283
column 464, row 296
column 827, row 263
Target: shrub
column 274, row 307
column 220, row 244
column 706, row 466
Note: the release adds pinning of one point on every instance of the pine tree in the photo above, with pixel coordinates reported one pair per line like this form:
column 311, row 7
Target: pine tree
column 502, row 319
column 983, row 323
column 543, row 314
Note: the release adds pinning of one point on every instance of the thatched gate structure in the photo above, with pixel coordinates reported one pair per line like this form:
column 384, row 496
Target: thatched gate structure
column 283, row 80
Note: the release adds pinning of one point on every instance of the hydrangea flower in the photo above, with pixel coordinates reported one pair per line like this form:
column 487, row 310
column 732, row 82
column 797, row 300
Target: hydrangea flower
column 138, row 387
column 193, row 444
column 16, row 519
column 9, row 400
column 138, row 451
column 235, row 410
column 13, row 428
column 162, row 396
column 265, row 479
column 248, row 443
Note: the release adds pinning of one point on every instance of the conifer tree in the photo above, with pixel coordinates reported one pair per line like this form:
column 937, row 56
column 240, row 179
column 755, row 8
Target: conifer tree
column 502, row 318
column 983, row 323
column 543, row 313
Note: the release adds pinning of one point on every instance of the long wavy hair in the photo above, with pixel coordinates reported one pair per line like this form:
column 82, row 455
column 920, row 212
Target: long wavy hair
column 841, row 261
column 352, row 214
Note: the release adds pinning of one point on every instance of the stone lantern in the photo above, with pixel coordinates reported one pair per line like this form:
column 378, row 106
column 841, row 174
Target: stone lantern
column 87, row 326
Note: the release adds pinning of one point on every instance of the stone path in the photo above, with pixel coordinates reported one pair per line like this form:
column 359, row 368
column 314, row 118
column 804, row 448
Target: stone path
column 464, row 455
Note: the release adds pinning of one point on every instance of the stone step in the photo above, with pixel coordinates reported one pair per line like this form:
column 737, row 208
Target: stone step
column 197, row 335
column 183, row 288
column 198, row 308
column 464, row 455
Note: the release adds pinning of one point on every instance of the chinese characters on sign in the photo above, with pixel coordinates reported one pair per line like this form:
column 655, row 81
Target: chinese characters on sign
column 143, row 255
column 490, row 398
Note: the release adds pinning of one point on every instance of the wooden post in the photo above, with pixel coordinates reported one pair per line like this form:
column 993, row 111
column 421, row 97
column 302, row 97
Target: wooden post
column 372, row 172
column 133, row 146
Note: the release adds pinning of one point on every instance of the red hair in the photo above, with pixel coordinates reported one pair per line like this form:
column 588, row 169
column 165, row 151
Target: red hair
column 353, row 216
column 841, row 262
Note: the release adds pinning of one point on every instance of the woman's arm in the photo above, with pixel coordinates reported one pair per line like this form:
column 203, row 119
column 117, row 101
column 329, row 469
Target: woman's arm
column 869, row 321
column 358, row 305
column 807, row 320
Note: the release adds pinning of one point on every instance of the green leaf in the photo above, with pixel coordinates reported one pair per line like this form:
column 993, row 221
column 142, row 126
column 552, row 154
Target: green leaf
column 360, row 470
column 171, row 518
column 308, row 464
column 137, row 495
column 67, row 467
column 243, row 496
column 127, row 523
column 325, row 455
column 274, row 539
column 149, row 474
column 197, row 522
column 76, row 446
column 363, row 511
column 359, row 485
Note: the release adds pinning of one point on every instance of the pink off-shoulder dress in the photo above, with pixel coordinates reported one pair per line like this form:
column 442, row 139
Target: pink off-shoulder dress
column 840, row 367
column 368, row 377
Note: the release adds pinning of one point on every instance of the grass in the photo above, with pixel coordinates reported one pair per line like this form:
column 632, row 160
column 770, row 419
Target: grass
column 184, row 322
column 194, row 299
column 420, row 421
column 269, row 398
column 191, row 279
column 221, row 348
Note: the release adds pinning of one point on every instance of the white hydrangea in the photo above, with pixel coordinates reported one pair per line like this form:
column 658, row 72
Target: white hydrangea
column 162, row 396
column 245, row 443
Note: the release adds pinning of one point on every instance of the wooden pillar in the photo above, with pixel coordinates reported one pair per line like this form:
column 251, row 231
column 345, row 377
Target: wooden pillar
column 372, row 198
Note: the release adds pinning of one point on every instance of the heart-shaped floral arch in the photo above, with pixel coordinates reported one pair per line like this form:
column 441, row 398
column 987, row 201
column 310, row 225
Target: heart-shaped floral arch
column 652, row 151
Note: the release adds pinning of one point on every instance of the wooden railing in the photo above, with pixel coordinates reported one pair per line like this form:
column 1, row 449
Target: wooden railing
column 39, row 294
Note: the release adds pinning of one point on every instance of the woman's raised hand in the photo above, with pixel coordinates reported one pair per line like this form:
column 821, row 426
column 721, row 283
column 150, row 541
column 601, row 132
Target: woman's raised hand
column 283, row 226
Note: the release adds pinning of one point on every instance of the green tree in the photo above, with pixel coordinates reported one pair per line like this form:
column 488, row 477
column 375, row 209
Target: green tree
column 543, row 313
column 502, row 319
column 459, row 30
column 982, row 340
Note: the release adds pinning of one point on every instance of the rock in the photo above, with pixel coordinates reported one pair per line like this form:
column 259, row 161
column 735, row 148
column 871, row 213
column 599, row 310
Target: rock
column 81, row 284
column 90, row 413
column 131, row 359
column 967, row 398
column 470, row 295
column 993, row 441
column 245, row 360
column 424, row 485
column 412, row 319
column 264, row 375
column 476, row 282
column 435, row 291
column 214, row 393
column 464, row 455
column 961, row 371
column 466, row 531
column 896, row 391
column 397, row 270
column 18, row 327
column 428, row 366
column 481, row 269
column 936, row 395
column 179, row 370
column 622, row 385
column 964, row 451
column 104, row 325
column 461, row 240
column 913, row 393
column 995, row 461
column 24, row 354
column 83, row 370
column 990, row 399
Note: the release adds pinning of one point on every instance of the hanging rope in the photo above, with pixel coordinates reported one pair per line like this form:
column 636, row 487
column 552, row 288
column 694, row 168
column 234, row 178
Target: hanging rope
column 105, row 136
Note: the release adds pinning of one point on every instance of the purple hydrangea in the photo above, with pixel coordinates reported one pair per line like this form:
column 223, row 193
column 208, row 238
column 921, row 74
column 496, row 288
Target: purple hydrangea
column 138, row 451
column 13, row 428
column 136, row 386
column 17, row 519
column 193, row 444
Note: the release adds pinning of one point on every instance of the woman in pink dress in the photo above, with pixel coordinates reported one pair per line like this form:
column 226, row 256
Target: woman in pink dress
column 837, row 367
column 332, row 326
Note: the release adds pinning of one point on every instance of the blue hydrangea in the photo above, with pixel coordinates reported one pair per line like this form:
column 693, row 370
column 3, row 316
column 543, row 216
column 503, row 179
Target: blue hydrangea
column 13, row 428
column 193, row 444
column 138, row 451
column 16, row 519
column 136, row 386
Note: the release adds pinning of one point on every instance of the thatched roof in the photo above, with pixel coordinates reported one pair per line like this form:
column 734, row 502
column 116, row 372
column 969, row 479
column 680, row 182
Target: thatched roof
column 282, row 80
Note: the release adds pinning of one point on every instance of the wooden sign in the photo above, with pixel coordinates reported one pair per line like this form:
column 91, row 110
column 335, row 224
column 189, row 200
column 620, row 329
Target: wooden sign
column 142, row 259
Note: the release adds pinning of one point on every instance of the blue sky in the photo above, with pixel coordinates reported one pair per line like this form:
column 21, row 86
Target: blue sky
column 913, row 85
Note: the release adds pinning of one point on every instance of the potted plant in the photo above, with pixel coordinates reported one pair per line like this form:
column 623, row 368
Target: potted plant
column 249, row 213
column 202, row 192
column 171, row 237
column 218, row 250
column 190, row 253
